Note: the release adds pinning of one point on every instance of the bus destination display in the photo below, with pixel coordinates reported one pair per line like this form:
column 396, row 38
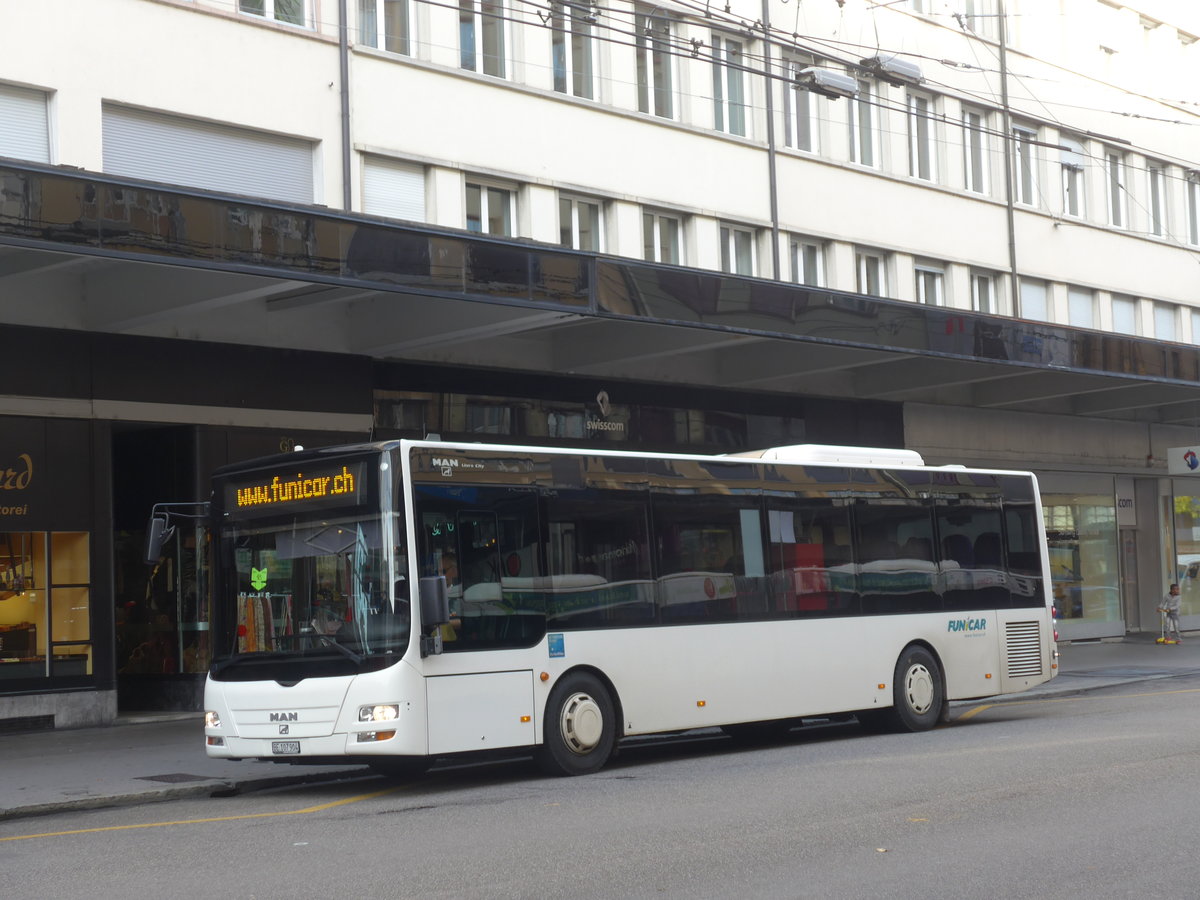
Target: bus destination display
column 292, row 489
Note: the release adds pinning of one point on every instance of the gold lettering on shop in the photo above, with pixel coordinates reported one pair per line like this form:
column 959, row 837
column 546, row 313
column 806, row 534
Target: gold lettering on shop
column 12, row 479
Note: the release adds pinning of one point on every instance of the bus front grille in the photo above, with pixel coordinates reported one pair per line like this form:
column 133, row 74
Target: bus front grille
column 1023, row 649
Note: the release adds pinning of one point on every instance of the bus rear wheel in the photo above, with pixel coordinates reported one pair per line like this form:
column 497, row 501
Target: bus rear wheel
column 917, row 691
column 579, row 730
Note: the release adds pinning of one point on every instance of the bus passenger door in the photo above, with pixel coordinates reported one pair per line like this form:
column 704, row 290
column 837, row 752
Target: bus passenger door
column 480, row 712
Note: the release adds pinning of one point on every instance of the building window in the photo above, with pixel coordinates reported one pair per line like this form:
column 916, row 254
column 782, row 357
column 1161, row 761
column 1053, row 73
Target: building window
column 1124, row 315
column 1033, row 300
column 1081, row 308
column 800, row 112
column 1072, row 161
column 290, row 11
column 1156, row 174
column 729, row 86
column 870, row 266
column 737, row 250
column 385, row 24
column 975, row 151
column 808, row 262
column 655, row 88
column 930, row 285
column 660, row 237
column 983, row 292
column 393, row 188
column 1166, row 322
column 481, row 36
column 975, row 16
column 1114, row 179
column 1196, row 326
column 1025, row 166
column 490, row 209
column 922, row 150
column 1193, row 208
column 579, row 223
column 862, row 126
column 45, row 625
column 573, row 47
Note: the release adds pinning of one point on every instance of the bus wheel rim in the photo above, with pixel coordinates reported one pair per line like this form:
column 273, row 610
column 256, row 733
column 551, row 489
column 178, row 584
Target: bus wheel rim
column 581, row 723
column 918, row 688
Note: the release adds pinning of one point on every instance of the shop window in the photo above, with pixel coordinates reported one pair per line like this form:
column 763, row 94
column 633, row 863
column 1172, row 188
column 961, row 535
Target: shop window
column 45, row 604
column 163, row 629
column 1081, row 534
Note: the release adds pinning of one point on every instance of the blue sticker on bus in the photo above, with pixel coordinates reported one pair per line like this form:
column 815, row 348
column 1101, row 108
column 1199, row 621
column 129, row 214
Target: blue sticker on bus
column 557, row 648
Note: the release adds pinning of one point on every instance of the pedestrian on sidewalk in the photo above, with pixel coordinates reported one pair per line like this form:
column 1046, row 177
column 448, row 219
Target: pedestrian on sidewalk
column 1170, row 606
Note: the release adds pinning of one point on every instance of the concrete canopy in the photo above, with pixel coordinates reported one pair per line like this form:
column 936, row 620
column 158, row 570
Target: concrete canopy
column 87, row 252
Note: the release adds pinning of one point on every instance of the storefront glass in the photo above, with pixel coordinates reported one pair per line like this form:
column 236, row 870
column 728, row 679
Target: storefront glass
column 164, row 629
column 1081, row 533
column 45, row 604
column 1185, row 522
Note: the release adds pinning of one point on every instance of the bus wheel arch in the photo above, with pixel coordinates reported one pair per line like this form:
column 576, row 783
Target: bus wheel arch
column 580, row 724
column 919, row 699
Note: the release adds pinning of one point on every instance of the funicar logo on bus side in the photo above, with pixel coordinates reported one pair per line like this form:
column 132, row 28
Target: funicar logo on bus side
column 971, row 626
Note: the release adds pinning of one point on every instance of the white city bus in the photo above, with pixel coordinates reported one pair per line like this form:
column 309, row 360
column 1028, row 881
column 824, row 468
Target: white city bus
column 399, row 601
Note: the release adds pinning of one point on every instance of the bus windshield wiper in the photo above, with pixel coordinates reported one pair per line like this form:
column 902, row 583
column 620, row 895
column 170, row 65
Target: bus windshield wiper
column 346, row 651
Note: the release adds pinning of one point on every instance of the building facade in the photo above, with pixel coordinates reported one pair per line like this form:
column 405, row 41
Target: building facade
column 968, row 227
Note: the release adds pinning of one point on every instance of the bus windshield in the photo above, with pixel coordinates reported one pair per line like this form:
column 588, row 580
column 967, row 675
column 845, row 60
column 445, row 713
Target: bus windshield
column 304, row 587
column 303, row 580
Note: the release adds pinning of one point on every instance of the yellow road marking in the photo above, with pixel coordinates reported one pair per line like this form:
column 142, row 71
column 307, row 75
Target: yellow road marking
column 288, row 812
column 976, row 710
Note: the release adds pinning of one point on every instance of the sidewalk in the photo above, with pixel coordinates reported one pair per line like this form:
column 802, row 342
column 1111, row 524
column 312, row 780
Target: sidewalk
column 148, row 758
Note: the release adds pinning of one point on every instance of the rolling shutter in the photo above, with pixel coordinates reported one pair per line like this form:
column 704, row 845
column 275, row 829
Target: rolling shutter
column 394, row 189
column 24, row 126
column 224, row 158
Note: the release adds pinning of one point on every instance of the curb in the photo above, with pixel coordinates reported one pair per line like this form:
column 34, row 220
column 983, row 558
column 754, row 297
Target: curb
column 214, row 787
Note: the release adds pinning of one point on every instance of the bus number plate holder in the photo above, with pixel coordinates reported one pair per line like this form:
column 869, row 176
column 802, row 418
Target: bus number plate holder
column 285, row 748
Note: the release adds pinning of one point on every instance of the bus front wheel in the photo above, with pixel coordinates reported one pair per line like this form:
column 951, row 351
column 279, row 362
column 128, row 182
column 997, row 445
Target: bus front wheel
column 917, row 692
column 579, row 729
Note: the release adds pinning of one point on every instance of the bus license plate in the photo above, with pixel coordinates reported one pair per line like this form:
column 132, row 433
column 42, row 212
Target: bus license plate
column 285, row 747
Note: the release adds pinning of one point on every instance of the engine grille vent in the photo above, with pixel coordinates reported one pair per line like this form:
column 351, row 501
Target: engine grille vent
column 1023, row 649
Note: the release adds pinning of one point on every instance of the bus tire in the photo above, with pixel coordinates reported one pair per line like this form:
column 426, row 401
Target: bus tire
column 918, row 694
column 579, row 728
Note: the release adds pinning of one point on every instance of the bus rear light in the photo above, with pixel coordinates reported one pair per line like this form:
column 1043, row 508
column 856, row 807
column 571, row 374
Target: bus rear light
column 211, row 719
column 368, row 737
column 215, row 741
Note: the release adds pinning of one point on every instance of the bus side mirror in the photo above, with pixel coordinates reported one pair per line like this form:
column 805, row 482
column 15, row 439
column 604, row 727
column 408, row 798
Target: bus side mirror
column 435, row 612
column 157, row 534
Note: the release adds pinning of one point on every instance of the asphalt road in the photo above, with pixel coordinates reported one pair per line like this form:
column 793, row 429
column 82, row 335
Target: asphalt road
column 1090, row 796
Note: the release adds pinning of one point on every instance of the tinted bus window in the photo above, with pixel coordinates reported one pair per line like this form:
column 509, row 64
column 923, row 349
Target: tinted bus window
column 811, row 564
column 598, row 559
column 896, row 565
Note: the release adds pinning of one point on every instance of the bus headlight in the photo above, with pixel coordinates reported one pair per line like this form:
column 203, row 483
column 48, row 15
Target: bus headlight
column 211, row 719
column 378, row 713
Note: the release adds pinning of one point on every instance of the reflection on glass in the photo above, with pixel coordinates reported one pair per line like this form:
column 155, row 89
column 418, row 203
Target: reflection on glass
column 1187, row 552
column 1081, row 532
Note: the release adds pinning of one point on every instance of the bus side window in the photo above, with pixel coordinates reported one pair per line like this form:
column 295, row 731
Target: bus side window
column 598, row 559
column 809, row 558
